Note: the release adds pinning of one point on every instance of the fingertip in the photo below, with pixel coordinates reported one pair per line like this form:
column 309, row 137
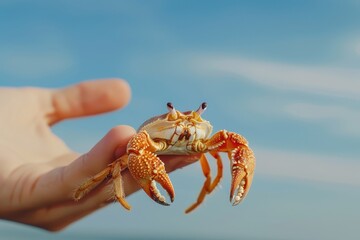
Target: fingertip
column 114, row 142
column 88, row 98
column 119, row 92
column 121, row 134
column 100, row 156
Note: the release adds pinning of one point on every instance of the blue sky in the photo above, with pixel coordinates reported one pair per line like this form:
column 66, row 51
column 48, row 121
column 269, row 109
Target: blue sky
column 285, row 74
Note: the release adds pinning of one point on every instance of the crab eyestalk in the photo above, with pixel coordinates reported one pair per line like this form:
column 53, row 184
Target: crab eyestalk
column 202, row 108
column 171, row 110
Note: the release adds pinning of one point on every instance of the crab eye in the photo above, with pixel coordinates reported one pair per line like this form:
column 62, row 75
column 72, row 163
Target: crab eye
column 170, row 106
column 172, row 111
column 202, row 108
column 204, row 105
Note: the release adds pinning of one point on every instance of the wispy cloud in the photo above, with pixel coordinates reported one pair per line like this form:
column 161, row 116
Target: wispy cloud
column 338, row 118
column 320, row 168
column 30, row 63
column 320, row 80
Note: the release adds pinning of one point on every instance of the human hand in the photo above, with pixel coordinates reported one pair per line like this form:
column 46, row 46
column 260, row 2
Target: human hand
column 39, row 172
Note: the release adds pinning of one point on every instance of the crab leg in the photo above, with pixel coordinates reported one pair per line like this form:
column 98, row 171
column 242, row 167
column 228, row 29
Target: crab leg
column 113, row 170
column 91, row 183
column 219, row 171
column 118, row 184
column 207, row 184
column 147, row 168
column 208, row 187
column 242, row 161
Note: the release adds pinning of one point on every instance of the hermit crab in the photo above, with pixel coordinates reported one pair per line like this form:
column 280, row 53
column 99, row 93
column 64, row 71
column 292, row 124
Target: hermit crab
column 178, row 133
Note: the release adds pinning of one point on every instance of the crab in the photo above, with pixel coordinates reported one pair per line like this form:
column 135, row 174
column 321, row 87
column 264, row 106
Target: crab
column 178, row 133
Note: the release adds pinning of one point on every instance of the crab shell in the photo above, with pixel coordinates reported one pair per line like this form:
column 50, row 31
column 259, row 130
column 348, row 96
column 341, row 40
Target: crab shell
column 179, row 130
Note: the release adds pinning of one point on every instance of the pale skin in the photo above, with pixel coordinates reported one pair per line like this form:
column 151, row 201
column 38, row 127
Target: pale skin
column 39, row 172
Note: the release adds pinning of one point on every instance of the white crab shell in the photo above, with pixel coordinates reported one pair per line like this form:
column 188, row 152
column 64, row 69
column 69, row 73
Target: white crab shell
column 179, row 133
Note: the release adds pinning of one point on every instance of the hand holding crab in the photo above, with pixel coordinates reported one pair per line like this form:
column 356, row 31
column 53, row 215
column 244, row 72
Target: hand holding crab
column 178, row 133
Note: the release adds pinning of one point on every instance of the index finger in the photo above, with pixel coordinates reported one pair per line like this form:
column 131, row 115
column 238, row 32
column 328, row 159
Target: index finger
column 88, row 98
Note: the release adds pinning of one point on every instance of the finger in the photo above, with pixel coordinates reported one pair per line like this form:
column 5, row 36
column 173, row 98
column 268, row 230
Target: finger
column 88, row 98
column 62, row 215
column 61, row 182
column 98, row 158
column 174, row 162
column 105, row 192
column 56, row 216
column 64, row 212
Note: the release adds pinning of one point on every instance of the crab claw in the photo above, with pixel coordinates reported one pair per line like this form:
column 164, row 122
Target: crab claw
column 147, row 169
column 153, row 192
column 243, row 164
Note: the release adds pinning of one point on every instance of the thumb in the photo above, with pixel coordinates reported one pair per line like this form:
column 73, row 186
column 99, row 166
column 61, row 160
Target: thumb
column 61, row 182
column 112, row 145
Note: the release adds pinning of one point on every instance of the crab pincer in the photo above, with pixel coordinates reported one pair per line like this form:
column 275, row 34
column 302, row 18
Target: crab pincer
column 147, row 168
column 242, row 171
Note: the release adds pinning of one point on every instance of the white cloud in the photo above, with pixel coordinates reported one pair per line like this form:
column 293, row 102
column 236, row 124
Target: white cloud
column 320, row 80
column 320, row 168
column 339, row 119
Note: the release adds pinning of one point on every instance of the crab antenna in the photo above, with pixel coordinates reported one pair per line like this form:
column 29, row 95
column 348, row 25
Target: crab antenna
column 171, row 109
column 202, row 108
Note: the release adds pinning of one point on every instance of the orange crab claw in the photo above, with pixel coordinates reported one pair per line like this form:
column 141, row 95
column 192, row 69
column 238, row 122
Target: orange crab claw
column 153, row 192
column 147, row 169
column 242, row 161
column 243, row 164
